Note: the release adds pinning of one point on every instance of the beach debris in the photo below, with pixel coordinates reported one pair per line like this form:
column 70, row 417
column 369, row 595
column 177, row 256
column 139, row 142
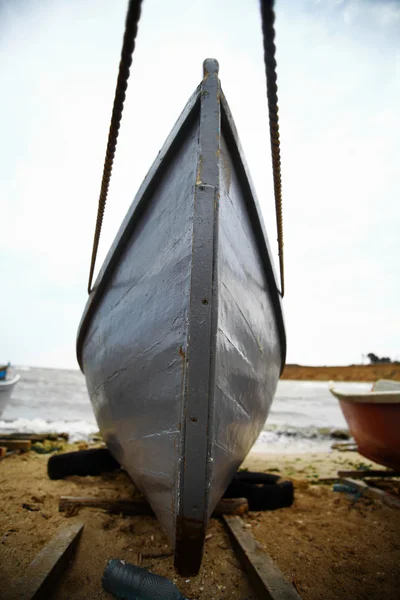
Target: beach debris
column 265, row 576
column 46, row 447
column 23, row 445
column 5, row 536
column 94, row 461
column 345, row 446
column 125, row 580
column 41, row 576
column 30, row 507
column 372, row 492
column 351, row 492
column 340, row 434
column 140, row 506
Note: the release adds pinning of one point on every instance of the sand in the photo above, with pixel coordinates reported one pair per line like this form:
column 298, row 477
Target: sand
column 328, row 548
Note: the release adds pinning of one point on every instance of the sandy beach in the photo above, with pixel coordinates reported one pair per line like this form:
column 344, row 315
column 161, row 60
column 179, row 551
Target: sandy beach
column 327, row 547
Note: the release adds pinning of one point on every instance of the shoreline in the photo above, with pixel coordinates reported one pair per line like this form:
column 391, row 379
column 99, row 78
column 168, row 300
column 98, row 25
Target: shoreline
column 356, row 373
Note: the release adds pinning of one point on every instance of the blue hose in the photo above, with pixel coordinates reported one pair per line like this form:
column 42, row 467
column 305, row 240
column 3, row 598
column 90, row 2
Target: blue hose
column 134, row 583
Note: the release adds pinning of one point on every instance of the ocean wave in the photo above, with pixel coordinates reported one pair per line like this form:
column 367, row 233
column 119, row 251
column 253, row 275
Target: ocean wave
column 77, row 430
column 307, row 432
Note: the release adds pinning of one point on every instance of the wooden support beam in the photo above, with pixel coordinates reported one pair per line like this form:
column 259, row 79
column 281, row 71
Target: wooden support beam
column 372, row 492
column 265, row 576
column 364, row 473
column 35, row 437
column 345, row 447
column 40, row 578
column 140, row 506
column 231, row 506
column 3, row 451
column 23, row 445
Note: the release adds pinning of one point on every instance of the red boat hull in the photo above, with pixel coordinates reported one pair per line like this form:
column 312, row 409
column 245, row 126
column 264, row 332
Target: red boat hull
column 376, row 429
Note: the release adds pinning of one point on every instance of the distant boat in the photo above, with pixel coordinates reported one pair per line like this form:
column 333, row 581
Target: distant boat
column 7, row 386
column 182, row 340
column 374, row 421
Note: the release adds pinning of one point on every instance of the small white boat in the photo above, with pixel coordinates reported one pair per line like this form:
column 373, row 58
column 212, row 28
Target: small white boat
column 6, row 389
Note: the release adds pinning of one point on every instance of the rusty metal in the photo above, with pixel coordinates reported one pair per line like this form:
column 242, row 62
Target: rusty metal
column 268, row 20
column 128, row 46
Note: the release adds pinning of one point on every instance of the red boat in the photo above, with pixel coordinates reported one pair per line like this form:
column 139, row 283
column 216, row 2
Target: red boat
column 374, row 421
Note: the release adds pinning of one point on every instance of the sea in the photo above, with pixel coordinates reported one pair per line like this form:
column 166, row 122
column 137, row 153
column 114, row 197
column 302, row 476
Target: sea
column 303, row 416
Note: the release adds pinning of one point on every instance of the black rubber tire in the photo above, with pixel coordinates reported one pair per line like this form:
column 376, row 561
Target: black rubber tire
column 84, row 462
column 261, row 490
column 256, row 478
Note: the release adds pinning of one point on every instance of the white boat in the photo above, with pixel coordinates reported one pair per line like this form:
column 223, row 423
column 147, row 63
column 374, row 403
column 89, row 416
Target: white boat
column 6, row 389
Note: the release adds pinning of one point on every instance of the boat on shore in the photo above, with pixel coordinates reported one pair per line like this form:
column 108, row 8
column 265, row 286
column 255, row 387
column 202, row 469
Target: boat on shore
column 7, row 385
column 182, row 340
column 373, row 419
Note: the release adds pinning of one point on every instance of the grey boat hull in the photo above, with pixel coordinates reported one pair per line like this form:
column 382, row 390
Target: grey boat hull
column 182, row 340
column 6, row 389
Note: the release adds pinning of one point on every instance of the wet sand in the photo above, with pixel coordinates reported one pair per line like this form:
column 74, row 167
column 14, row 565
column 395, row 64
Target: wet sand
column 327, row 547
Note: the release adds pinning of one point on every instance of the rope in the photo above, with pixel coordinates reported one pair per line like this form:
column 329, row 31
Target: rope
column 128, row 46
column 268, row 19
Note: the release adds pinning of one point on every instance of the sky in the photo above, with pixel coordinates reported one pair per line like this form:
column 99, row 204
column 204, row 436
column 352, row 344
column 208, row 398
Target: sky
column 339, row 93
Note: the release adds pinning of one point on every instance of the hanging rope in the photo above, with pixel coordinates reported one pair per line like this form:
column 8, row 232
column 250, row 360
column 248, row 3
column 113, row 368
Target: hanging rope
column 268, row 19
column 131, row 27
column 128, row 46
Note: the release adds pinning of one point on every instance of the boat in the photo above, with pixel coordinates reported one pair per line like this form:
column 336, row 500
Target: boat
column 182, row 340
column 7, row 385
column 373, row 419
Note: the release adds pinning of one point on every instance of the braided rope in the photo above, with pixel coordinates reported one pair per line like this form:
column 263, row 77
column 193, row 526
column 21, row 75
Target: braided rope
column 268, row 19
column 128, row 46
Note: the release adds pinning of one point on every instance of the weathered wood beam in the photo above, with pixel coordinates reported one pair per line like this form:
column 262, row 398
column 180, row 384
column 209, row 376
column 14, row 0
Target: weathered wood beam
column 35, row 437
column 40, row 578
column 364, row 473
column 265, row 576
column 23, row 445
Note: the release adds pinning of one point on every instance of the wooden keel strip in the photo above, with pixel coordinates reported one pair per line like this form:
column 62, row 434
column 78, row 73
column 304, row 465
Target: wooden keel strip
column 41, row 576
column 264, row 575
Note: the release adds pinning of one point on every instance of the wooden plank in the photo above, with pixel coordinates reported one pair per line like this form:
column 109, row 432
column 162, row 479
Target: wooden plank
column 231, row 506
column 40, row 578
column 364, row 473
column 139, row 506
column 372, row 492
column 23, row 445
column 265, row 576
column 34, row 437
column 345, row 446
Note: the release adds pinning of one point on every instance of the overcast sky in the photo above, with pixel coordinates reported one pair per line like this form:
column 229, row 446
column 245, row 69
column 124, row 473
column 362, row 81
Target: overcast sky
column 339, row 98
